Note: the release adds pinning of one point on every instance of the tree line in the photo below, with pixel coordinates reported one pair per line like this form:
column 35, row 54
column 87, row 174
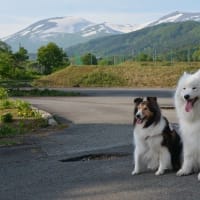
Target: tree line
column 184, row 55
column 51, row 57
column 18, row 66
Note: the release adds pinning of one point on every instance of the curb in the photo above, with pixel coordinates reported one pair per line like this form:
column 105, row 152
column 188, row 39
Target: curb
column 45, row 115
column 167, row 107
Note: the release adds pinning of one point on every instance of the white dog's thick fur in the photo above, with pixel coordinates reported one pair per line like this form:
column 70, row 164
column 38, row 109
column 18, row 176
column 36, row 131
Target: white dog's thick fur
column 187, row 102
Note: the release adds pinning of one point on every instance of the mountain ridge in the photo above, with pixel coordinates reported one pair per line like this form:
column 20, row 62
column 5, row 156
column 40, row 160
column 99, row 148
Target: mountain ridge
column 177, row 16
column 69, row 31
column 163, row 37
column 65, row 31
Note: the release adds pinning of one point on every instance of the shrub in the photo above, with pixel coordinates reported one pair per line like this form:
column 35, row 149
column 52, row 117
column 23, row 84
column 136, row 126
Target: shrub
column 5, row 104
column 3, row 93
column 7, row 118
column 24, row 109
column 89, row 59
column 100, row 78
column 7, row 130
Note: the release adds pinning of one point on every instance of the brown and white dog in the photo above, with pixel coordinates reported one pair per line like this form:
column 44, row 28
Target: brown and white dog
column 157, row 145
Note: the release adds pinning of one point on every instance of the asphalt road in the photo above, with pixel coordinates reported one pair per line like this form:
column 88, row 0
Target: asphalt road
column 128, row 92
column 61, row 165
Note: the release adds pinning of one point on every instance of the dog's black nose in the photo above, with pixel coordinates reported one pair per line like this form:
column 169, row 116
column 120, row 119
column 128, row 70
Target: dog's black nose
column 137, row 116
column 186, row 97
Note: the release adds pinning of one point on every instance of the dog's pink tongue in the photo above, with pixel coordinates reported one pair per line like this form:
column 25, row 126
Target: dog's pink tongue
column 139, row 121
column 188, row 106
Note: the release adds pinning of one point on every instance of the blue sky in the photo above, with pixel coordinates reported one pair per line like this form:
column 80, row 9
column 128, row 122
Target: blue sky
column 18, row 14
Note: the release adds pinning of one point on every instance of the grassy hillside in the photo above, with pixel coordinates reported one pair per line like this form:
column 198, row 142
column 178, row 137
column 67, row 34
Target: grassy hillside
column 164, row 38
column 129, row 74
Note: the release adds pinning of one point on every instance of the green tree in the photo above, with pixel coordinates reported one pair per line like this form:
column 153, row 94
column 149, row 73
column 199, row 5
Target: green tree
column 13, row 65
column 6, row 60
column 89, row 59
column 196, row 55
column 21, row 55
column 20, row 58
column 106, row 61
column 144, row 57
column 4, row 47
column 51, row 57
column 6, row 65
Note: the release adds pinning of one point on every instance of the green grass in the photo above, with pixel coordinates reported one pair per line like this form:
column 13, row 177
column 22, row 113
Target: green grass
column 129, row 74
column 18, row 118
column 101, row 79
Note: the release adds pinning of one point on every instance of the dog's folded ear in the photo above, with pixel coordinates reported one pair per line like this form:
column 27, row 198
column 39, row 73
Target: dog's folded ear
column 138, row 100
column 152, row 99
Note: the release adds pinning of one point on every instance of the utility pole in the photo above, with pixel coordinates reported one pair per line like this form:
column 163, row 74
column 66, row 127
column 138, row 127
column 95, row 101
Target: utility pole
column 188, row 55
column 132, row 53
column 155, row 56
column 90, row 59
column 171, row 57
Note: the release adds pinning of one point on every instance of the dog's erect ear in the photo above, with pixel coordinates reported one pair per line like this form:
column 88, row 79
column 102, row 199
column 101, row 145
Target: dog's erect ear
column 152, row 99
column 138, row 100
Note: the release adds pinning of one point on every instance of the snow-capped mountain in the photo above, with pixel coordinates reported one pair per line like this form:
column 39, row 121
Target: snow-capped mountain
column 65, row 31
column 177, row 17
column 48, row 27
column 97, row 29
column 69, row 31
column 125, row 28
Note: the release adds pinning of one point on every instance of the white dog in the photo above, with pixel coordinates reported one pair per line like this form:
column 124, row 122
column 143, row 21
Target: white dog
column 187, row 102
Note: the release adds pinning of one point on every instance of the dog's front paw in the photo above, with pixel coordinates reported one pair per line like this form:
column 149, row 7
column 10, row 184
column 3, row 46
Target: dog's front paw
column 135, row 172
column 159, row 172
column 198, row 176
column 182, row 172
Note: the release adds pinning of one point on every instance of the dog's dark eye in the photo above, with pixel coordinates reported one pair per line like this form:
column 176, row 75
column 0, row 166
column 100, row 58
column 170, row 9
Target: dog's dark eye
column 184, row 88
column 194, row 88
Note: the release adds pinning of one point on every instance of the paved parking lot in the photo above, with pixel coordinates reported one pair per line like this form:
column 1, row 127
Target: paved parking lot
column 98, row 126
